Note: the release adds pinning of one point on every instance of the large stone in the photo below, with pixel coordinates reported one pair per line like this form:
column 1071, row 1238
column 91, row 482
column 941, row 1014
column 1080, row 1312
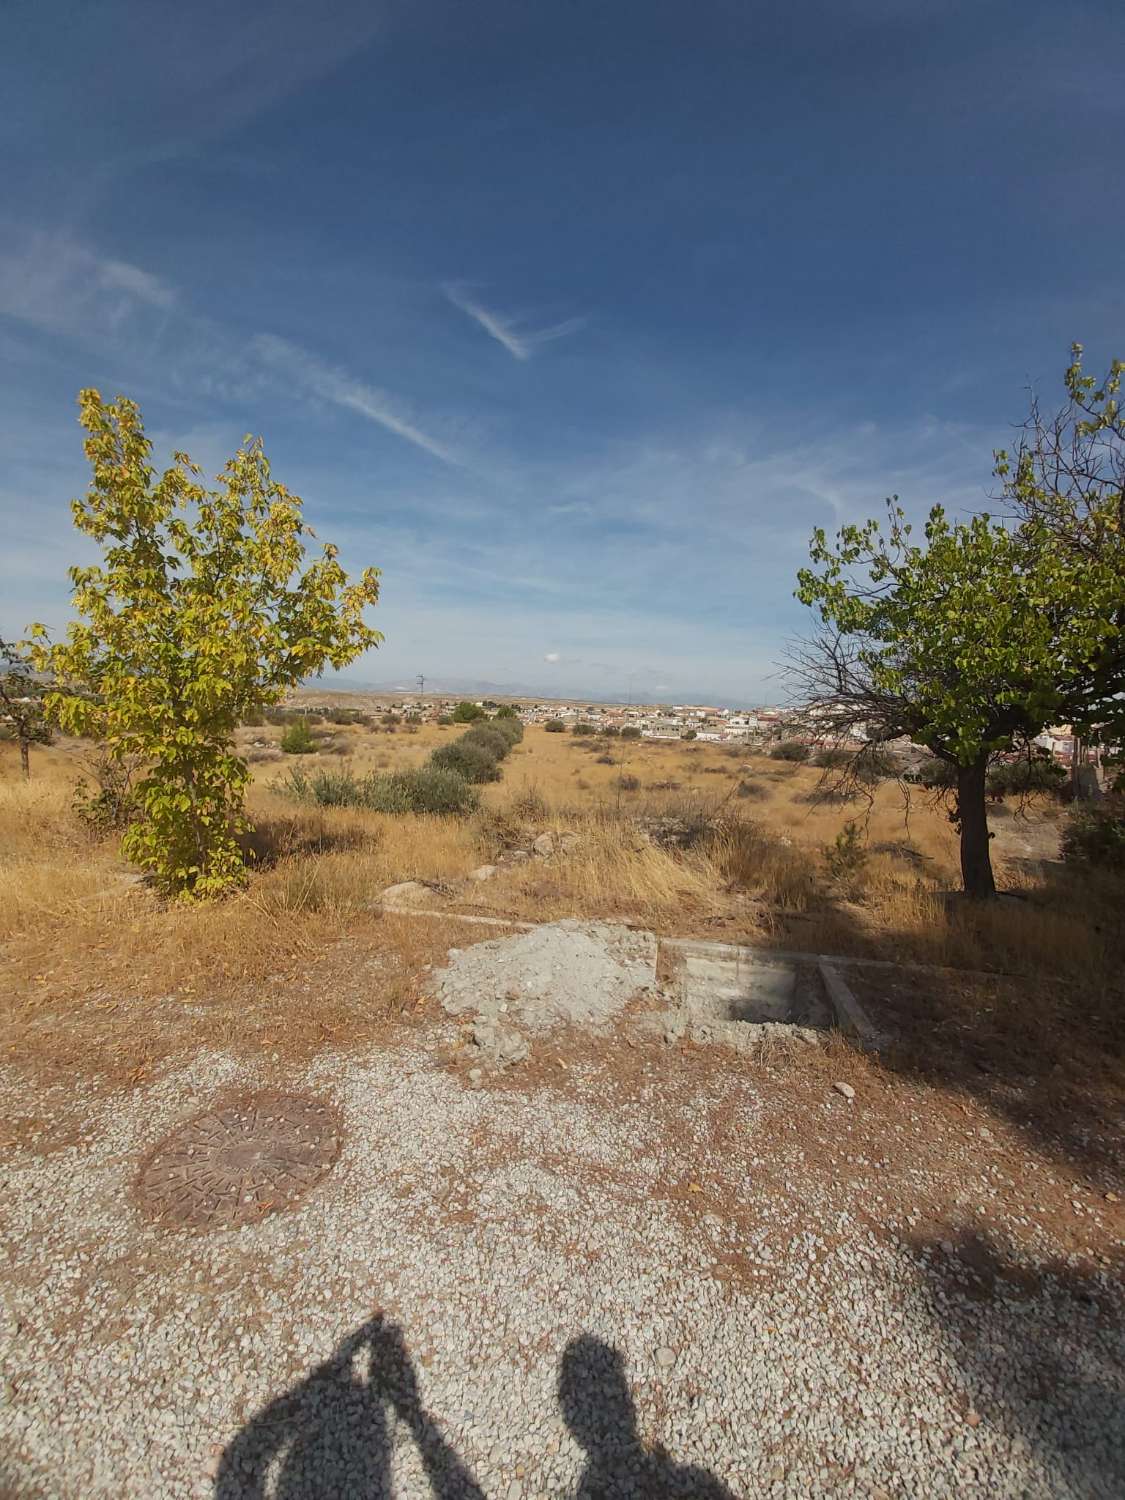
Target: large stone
column 483, row 872
column 544, row 845
column 405, row 893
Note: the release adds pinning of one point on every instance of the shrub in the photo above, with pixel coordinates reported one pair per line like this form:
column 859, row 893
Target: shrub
column 507, row 711
column 512, row 728
column 583, row 728
column 445, row 720
column 630, row 732
column 606, row 760
column 298, row 739
column 496, row 743
column 390, row 718
column 474, row 762
column 253, row 718
column 530, row 804
column 427, row 790
column 1042, row 773
column 467, row 713
column 610, row 729
column 689, row 734
column 832, row 758
column 846, row 857
column 934, row 775
column 554, row 726
column 436, row 790
column 629, row 783
column 872, row 766
column 752, row 789
column 325, row 788
column 792, row 750
column 1095, row 835
column 114, row 805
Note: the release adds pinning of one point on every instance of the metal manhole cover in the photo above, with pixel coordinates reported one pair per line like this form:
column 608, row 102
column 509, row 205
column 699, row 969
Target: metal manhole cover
column 241, row 1161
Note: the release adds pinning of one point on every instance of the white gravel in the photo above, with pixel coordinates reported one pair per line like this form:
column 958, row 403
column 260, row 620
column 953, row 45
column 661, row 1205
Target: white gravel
column 560, row 972
column 554, row 1262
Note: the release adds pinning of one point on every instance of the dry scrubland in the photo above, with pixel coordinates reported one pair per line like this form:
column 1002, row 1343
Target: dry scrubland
column 269, row 969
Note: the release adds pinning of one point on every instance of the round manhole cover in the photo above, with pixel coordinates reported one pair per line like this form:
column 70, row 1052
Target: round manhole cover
column 240, row 1161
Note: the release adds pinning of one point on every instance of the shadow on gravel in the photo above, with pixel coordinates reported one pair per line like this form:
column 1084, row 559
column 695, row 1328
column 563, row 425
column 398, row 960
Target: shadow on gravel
column 329, row 1437
column 598, row 1408
column 1041, row 1351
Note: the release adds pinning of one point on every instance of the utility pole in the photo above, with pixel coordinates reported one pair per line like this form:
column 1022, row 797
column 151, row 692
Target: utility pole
column 421, row 681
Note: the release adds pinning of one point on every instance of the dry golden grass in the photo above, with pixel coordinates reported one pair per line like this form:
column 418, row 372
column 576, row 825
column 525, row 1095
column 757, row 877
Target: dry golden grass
column 75, row 923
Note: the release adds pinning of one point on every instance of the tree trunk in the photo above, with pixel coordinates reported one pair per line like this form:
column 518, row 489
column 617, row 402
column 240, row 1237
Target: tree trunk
column 976, row 861
column 25, row 759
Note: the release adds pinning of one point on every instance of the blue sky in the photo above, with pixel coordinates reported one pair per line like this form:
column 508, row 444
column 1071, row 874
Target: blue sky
column 574, row 318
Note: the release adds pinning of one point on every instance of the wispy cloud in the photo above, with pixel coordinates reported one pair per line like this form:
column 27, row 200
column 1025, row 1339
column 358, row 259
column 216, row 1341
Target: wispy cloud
column 342, row 390
column 520, row 343
column 53, row 281
column 553, row 656
column 119, row 275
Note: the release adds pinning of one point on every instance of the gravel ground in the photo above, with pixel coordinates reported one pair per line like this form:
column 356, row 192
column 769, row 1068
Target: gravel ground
column 640, row 1282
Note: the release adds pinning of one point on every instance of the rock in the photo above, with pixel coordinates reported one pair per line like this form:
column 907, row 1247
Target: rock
column 405, row 893
column 500, row 1046
column 665, row 1357
column 515, row 857
column 484, row 872
column 845, row 1089
column 569, row 841
column 544, row 845
column 476, row 1077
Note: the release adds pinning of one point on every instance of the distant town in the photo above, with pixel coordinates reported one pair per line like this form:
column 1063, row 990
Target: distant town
column 757, row 726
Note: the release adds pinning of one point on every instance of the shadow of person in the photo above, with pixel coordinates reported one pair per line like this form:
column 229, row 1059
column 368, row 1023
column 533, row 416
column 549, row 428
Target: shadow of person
column 598, row 1409
column 329, row 1436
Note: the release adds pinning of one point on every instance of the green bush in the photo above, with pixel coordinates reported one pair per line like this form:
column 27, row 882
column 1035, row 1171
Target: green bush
column 445, row 720
column 630, row 732
column 609, row 729
column 494, row 741
column 1020, row 777
column 512, row 729
column 554, row 726
column 253, row 718
column 1095, row 835
column 474, row 762
column 846, row 856
column 507, row 711
column 298, row 739
column 468, row 713
column 325, row 788
column 436, row 790
column 427, row 790
column 629, row 783
column 583, row 728
column 792, row 750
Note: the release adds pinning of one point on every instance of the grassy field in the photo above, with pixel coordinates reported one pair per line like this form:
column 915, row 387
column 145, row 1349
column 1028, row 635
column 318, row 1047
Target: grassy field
column 686, row 838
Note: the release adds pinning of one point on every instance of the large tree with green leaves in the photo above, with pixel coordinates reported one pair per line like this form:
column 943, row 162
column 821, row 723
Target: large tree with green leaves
column 975, row 639
column 203, row 608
